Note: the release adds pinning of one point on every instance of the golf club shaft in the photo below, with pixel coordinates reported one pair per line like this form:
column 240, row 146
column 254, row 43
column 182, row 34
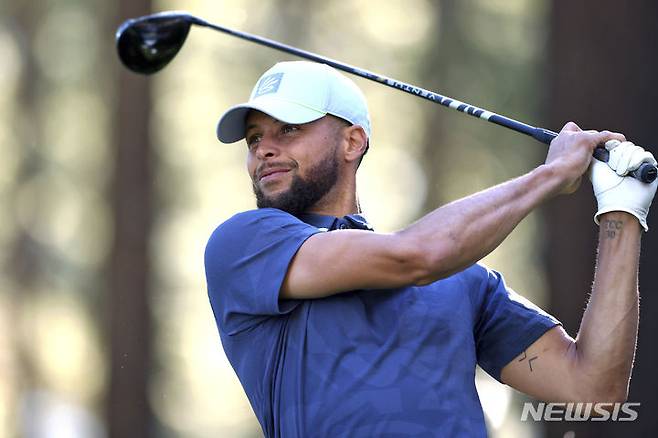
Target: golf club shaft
column 543, row 135
column 646, row 172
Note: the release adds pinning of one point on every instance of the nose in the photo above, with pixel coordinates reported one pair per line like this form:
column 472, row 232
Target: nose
column 267, row 148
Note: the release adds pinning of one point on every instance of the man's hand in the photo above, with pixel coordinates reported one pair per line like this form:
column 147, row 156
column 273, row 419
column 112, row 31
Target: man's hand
column 615, row 192
column 571, row 153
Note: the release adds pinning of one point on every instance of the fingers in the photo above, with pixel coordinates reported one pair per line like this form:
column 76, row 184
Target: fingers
column 626, row 157
column 593, row 137
column 605, row 136
column 571, row 126
column 619, row 161
column 599, row 137
column 571, row 152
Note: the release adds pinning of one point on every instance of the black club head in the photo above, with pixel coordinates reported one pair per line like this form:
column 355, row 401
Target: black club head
column 147, row 44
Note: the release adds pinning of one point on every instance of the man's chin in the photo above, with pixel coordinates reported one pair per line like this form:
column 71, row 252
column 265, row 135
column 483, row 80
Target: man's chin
column 273, row 200
column 298, row 195
column 273, row 195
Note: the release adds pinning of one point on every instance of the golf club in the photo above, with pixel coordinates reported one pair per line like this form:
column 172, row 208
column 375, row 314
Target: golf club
column 147, row 44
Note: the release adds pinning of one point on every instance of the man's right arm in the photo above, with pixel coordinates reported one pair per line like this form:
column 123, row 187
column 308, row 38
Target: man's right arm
column 446, row 240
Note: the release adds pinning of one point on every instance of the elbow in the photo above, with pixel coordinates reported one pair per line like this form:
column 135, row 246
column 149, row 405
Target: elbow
column 421, row 263
column 599, row 381
column 609, row 396
column 605, row 392
column 616, row 394
column 617, row 391
column 608, row 402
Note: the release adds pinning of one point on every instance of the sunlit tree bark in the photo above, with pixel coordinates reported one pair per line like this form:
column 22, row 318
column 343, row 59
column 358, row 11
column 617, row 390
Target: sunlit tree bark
column 433, row 74
column 601, row 76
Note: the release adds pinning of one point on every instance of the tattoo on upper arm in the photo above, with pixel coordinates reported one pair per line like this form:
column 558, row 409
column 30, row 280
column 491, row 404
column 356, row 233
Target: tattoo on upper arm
column 524, row 356
column 612, row 228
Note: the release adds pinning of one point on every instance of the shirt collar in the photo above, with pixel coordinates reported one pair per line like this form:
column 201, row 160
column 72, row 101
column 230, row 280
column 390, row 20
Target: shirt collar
column 329, row 223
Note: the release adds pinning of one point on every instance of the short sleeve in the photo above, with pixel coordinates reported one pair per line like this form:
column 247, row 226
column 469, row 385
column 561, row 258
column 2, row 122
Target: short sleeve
column 506, row 324
column 246, row 260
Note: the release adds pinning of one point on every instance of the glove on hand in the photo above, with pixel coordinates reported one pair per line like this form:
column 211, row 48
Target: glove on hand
column 626, row 157
column 616, row 192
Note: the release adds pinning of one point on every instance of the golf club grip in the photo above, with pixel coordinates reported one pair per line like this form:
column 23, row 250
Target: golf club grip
column 646, row 172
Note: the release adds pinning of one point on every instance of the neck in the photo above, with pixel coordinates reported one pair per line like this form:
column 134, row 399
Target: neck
column 339, row 202
column 336, row 209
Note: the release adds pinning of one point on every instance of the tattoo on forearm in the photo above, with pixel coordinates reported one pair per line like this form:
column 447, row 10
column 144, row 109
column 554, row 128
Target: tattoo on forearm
column 524, row 356
column 612, row 228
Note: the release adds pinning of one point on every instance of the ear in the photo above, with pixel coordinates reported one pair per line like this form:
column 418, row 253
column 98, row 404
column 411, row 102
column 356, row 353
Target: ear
column 356, row 143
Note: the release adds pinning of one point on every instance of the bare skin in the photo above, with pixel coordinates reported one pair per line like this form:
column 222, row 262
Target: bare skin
column 274, row 145
column 594, row 367
column 597, row 365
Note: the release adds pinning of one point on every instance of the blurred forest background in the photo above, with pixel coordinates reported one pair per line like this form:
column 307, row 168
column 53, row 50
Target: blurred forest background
column 110, row 184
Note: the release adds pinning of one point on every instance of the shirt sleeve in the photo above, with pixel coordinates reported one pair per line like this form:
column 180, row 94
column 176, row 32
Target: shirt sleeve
column 506, row 324
column 246, row 260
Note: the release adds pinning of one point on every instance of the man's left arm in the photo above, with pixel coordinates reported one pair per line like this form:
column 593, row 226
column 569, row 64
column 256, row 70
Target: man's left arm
column 596, row 366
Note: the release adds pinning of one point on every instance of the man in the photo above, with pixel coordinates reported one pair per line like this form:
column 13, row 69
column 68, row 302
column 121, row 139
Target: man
column 336, row 330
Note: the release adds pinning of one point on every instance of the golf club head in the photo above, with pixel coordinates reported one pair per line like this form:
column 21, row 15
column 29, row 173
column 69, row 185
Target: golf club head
column 147, row 44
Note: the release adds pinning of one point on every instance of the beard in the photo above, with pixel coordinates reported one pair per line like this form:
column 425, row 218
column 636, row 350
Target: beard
column 303, row 192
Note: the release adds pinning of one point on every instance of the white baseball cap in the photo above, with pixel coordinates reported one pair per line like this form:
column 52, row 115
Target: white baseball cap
column 298, row 92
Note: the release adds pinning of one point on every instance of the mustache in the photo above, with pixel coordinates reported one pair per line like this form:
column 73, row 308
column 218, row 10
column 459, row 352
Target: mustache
column 267, row 166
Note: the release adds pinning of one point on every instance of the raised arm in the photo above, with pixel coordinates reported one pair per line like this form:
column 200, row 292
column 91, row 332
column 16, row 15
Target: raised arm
column 446, row 240
column 596, row 366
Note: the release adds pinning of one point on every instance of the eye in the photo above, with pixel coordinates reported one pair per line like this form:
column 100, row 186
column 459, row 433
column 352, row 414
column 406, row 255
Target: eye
column 252, row 140
column 287, row 129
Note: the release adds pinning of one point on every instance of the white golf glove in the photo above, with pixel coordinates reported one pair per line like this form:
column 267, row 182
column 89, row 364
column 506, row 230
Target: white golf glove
column 616, row 192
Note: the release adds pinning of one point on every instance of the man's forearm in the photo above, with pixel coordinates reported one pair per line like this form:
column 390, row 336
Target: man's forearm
column 459, row 234
column 605, row 345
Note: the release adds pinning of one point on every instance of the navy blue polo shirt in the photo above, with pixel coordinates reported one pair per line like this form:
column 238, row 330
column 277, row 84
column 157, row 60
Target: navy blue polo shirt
column 364, row 363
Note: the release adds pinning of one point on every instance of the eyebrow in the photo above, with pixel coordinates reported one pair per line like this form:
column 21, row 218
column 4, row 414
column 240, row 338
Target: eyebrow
column 254, row 125
column 249, row 127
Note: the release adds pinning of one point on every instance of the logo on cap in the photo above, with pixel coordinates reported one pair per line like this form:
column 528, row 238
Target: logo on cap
column 269, row 84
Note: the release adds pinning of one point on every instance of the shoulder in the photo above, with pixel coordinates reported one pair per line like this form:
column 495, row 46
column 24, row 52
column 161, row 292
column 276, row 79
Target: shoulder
column 263, row 226
column 475, row 283
column 261, row 216
column 478, row 276
column 481, row 283
column 249, row 222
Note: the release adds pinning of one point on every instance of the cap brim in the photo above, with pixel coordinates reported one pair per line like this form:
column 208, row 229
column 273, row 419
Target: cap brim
column 232, row 125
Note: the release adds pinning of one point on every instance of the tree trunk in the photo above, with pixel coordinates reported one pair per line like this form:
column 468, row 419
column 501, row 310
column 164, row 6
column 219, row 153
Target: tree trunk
column 601, row 77
column 129, row 414
column 434, row 71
